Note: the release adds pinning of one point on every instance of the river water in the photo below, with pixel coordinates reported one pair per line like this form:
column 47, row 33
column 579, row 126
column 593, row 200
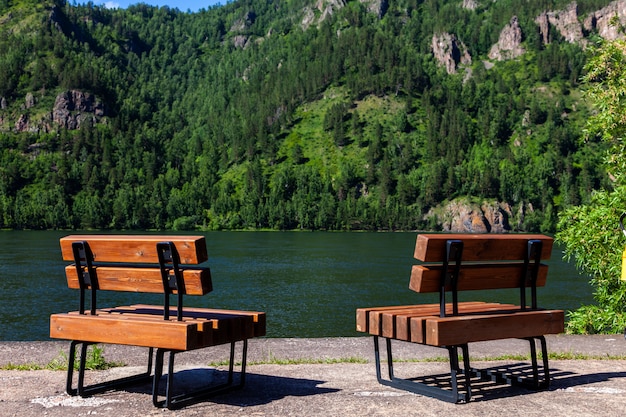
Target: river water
column 309, row 284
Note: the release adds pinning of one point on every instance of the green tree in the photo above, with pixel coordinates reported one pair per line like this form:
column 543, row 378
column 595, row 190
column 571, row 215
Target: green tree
column 590, row 232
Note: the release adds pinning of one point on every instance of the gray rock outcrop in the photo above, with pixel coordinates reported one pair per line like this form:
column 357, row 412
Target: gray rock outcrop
column 509, row 43
column 565, row 21
column 379, row 7
column 21, row 125
column 244, row 23
column 470, row 4
column 450, row 52
column 72, row 107
column 465, row 217
column 29, row 102
column 326, row 8
column 607, row 21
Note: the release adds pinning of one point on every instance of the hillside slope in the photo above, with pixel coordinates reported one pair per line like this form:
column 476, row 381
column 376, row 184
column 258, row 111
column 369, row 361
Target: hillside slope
column 332, row 115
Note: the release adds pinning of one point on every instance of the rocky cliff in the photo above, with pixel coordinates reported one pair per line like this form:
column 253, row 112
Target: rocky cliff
column 568, row 23
column 325, row 8
column 450, row 52
column 509, row 43
column 564, row 21
column 462, row 216
column 71, row 109
column 601, row 21
column 606, row 22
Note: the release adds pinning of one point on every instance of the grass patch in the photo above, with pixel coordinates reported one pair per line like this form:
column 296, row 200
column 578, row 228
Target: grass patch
column 310, row 361
column 580, row 356
column 22, row 367
column 272, row 360
column 95, row 360
column 561, row 356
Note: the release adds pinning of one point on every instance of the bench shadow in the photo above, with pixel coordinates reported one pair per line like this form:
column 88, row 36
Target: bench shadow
column 264, row 389
column 259, row 389
column 560, row 380
column 488, row 390
column 565, row 380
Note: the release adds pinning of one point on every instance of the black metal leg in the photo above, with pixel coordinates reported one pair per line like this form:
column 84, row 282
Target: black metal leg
column 172, row 401
column 378, row 363
column 231, row 364
column 158, row 372
column 69, row 388
column 545, row 382
column 455, row 370
column 70, row 370
column 85, row 391
column 467, row 372
column 377, row 359
column 244, row 358
column 389, row 359
column 453, row 355
column 81, row 369
column 415, row 386
column 533, row 359
column 170, row 380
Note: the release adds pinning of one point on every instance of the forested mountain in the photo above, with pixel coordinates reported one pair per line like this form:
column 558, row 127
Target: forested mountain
column 284, row 114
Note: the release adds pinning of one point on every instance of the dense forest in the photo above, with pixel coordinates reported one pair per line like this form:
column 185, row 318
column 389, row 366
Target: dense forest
column 281, row 114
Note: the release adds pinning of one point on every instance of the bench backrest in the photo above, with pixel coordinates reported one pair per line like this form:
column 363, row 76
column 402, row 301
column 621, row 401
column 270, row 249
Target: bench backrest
column 137, row 263
column 131, row 263
column 487, row 261
column 460, row 262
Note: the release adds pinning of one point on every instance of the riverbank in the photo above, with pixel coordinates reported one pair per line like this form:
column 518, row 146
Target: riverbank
column 330, row 377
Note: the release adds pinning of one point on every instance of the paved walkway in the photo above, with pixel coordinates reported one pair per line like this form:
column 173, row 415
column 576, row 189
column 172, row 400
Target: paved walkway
column 580, row 387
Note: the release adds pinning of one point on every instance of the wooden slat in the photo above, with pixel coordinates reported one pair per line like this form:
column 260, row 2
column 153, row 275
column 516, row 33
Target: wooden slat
column 123, row 278
column 136, row 248
column 370, row 320
column 395, row 321
column 223, row 325
column 417, row 325
column 250, row 323
column 363, row 317
column 143, row 325
column 476, row 328
column 212, row 329
column 125, row 331
column 426, row 278
column 481, row 247
column 406, row 327
column 257, row 318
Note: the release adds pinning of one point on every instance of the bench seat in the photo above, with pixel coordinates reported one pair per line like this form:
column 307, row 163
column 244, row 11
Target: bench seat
column 422, row 323
column 143, row 325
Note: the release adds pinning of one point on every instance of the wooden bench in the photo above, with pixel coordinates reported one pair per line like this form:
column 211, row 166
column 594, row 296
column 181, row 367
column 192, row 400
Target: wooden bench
column 148, row 264
column 452, row 263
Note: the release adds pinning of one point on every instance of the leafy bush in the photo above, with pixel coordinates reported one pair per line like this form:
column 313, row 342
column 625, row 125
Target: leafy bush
column 592, row 237
column 591, row 232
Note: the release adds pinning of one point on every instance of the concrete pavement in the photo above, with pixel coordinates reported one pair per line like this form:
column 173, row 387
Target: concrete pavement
column 296, row 377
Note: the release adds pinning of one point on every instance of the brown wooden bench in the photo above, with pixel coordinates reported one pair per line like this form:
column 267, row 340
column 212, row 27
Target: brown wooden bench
column 148, row 264
column 452, row 263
